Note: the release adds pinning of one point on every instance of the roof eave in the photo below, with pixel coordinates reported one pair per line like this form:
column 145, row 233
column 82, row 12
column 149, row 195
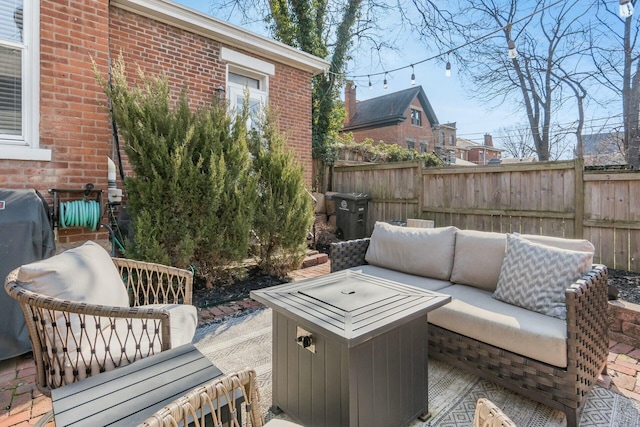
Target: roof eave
column 210, row 27
column 375, row 123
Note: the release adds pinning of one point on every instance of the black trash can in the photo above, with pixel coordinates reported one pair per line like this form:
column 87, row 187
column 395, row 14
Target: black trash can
column 26, row 235
column 351, row 215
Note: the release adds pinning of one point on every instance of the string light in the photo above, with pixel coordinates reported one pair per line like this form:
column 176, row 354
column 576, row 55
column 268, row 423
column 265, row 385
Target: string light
column 447, row 71
column 511, row 43
column 413, row 76
column 513, row 52
column 626, row 8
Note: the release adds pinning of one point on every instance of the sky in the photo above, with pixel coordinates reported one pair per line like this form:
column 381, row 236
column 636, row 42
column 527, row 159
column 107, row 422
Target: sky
column 447, row 96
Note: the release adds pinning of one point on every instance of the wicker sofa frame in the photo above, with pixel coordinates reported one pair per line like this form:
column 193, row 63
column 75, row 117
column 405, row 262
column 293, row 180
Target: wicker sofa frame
column 147, row 283
column 565, row 389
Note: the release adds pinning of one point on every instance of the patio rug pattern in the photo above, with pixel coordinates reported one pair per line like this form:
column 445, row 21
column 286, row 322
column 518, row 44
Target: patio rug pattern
column 246, row 341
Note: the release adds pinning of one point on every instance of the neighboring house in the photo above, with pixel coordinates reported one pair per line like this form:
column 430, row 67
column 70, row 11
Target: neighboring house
column 54, row 129
column 480, row 154
column 603, row 149
column 405, row 118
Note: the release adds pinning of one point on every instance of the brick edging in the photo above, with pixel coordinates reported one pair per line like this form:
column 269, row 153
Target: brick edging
column 624, row 322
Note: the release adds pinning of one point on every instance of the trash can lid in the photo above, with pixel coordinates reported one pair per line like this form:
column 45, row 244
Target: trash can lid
column 353, row 196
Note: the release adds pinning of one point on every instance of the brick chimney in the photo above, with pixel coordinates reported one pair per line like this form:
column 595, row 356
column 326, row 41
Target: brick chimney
column 349, row 101
column 488, row 140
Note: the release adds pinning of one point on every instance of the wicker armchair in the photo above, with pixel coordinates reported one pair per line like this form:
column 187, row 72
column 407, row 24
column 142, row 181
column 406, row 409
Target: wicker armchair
column 191, row 409
column 74, row 338
column 489, row 415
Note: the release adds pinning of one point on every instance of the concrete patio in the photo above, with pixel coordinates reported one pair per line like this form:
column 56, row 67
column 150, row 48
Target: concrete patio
column 21, row 404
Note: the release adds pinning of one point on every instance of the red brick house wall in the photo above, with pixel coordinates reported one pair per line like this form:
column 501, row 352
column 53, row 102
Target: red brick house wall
column 76, row 128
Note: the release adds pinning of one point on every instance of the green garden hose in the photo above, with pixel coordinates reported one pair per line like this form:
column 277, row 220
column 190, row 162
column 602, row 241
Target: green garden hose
column 80, row 213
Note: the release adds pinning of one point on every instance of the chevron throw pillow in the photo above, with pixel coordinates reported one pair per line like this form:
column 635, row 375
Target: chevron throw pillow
column 535, row 276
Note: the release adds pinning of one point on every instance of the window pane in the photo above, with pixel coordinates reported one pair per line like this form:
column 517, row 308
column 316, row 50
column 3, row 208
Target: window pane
column 242, row 80
column 11, row 20
column 10, row 91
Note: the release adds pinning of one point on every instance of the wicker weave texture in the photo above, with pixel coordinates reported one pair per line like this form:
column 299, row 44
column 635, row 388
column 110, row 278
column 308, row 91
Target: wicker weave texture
column 565, row 389
column 348, row 254
column 489, row 415
column 185, row 409
column 72, row 341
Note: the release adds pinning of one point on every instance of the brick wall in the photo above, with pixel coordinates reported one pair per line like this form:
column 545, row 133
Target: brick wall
column 72, row 124
column 194, row 61
column 77, row 128
column 624, row 322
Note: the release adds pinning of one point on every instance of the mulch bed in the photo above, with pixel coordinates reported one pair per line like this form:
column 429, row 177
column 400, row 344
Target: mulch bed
column 223, row 292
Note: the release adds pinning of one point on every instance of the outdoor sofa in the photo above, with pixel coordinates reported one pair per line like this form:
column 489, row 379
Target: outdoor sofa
column 527, row 312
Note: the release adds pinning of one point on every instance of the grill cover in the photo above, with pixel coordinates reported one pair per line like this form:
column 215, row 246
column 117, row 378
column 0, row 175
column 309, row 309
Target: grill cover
column 26, row 236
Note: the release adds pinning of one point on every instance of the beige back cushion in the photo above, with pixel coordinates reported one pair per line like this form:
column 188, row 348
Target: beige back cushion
column 83, row 274
column 478, row 258
column 580, row 245
column 426, row 252
column 479, row 255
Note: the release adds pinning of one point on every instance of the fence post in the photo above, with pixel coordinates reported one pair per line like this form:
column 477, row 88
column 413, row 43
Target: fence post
column 579, row 199
column 418, row 188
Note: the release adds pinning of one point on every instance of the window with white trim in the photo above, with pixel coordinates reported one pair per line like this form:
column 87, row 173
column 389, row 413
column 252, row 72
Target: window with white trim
column 238, row 82
column 246, row 73
column 20, row 80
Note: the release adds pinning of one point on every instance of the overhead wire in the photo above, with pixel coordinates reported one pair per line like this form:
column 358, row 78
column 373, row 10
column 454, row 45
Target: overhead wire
column 453, row 49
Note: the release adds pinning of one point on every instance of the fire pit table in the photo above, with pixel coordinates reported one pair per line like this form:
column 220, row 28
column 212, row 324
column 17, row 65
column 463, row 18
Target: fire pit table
column 350, row 349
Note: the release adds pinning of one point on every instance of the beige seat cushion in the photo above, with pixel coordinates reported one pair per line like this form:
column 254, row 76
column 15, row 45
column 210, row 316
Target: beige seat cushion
column 474, row 313
column 426, row 252
column 83, row 274
column 426, row 283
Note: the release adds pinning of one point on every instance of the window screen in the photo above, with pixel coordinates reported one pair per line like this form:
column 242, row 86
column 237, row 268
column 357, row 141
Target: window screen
column 11, row 49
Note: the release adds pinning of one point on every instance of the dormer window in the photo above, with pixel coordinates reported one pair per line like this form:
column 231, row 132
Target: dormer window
column 416, row 117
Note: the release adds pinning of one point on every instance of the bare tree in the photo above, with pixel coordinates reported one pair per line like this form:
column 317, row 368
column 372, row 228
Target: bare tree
column 516, row 141
column 543, row 79
column 617, row 56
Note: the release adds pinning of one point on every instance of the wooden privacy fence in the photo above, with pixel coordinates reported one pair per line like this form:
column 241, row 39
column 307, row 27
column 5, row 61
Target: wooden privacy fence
column 548, row 198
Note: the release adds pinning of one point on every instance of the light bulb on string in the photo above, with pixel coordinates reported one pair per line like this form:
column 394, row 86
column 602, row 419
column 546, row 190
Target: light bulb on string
column 513, row 52
column 385, row 81
column 626, row 8
column 413, row 76
column 447, row 71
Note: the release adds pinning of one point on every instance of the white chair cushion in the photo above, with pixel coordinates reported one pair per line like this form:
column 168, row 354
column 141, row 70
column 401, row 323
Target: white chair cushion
column 83, row 274
column 535, row 276
column 474, row 313
column 426, row 252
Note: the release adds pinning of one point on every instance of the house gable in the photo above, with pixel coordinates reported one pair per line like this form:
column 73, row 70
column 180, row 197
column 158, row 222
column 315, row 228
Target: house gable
column 389, row 110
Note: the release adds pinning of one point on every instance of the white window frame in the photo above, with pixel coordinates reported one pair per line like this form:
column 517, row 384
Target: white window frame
column 27, row 145
column 248, row 66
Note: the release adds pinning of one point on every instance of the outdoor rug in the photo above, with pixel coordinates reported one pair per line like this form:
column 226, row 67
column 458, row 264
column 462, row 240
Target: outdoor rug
column 245, row 341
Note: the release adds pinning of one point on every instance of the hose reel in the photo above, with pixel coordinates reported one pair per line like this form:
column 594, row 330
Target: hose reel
column 85, row 212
